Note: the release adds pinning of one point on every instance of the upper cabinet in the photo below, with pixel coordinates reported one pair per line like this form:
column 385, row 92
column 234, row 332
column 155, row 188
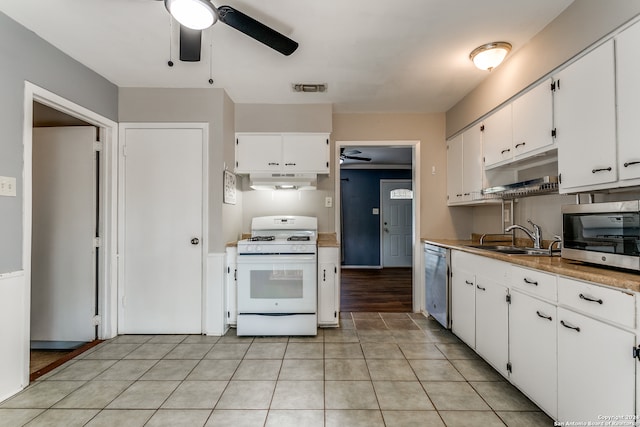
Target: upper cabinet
column 520, row 129
column 282, row 152
column 532, row 117
column 465, row 176
column 497, row 137
column 585, row 119
column 628, row 99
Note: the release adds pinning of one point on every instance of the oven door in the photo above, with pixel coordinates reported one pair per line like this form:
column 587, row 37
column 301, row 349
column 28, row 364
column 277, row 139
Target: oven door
column 277, row 284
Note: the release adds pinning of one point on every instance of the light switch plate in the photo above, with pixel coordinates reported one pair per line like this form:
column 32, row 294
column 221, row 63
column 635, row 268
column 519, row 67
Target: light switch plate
column 328, row 202
column 7, row 186
column 375, row 211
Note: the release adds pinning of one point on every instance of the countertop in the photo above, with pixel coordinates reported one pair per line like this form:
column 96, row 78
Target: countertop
column 575, row 269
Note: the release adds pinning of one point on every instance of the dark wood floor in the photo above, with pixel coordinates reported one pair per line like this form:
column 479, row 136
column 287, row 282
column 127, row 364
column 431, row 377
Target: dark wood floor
column 376, row 290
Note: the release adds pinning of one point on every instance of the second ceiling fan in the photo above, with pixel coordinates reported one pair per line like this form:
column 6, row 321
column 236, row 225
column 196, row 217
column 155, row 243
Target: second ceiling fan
column 197, row 15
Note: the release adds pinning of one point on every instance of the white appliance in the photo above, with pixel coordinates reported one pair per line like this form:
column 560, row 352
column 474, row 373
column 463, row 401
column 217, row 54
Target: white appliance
column 277, row 279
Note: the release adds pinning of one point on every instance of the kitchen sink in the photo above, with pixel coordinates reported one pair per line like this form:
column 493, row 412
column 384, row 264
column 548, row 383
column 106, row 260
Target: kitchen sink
column 511, row 250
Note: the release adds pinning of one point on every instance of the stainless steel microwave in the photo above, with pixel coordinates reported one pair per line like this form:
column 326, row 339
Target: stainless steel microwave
column 603, row 233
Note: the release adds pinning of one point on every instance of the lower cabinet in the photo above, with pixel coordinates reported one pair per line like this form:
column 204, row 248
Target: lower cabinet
column 328, row 286
column 463, row 301
column 492, row 323
column 596, row 370
column 231, row 287
column 533, row 350
column 569, row 345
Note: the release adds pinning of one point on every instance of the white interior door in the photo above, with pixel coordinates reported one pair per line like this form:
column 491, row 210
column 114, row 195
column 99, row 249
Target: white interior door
column 161, row 289
column 397, row 223
column 63, row 265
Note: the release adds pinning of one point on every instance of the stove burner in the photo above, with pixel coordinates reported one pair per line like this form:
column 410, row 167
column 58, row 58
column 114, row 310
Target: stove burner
column 299, row 238
column 262, row 238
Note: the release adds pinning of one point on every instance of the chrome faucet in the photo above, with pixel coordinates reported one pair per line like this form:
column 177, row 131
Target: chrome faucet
column 535, row 235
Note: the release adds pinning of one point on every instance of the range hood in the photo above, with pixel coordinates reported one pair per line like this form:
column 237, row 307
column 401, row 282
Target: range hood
column 283, row 181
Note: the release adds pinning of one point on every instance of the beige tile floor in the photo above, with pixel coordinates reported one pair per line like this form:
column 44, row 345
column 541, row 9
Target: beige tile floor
column 378, row 369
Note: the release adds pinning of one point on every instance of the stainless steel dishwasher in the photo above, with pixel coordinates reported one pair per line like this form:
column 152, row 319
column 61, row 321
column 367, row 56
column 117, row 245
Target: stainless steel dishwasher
column 436, row 280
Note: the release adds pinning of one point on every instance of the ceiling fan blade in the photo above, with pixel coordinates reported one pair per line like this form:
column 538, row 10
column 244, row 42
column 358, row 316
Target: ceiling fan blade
column 364, row 159
column 257, row 30
column 190, row 43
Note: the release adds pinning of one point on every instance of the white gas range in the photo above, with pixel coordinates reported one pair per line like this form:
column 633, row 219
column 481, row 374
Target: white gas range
column 277, row 279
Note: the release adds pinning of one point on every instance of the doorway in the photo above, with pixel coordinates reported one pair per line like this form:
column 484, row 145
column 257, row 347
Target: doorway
column 365, row 284
column 45, row 109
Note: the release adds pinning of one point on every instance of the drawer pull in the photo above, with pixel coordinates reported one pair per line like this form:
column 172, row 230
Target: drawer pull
column 627, row 164
column 543, row 316
column 468, row 282
column 273, row 164
column 586, row 298
column 601, row 170
column 481, row 288
column 530, row 282
column 568, row 326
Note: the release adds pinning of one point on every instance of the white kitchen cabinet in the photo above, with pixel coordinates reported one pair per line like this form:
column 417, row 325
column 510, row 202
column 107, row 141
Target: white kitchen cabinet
column 463, row 299
column 628, row 100
column 585, row 121
column 532, row 349
column 282, row 153
column 492, row 321
column 231, row 283
column 465, row 175
column 328, row 286
column 596, row 369
column 497, row 137
column 455, row 169
column 533, row 121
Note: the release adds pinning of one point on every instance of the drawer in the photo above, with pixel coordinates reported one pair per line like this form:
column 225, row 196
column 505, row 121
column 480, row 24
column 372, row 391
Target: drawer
column 607, row 303
column 543, row 285
column 493, row 269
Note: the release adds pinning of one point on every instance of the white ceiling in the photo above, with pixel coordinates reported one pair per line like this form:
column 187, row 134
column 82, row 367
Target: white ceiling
column 375, row 56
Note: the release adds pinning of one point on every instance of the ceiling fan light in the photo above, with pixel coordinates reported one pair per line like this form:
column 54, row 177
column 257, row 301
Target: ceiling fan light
column 194, row 14
column 490, row 55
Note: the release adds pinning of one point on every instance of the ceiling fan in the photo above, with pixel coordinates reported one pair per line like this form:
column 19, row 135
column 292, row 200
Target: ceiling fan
column 197, row 15
column 352, row 155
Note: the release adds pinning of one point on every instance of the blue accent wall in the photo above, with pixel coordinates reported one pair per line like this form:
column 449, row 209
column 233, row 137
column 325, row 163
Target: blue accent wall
column 360, row 193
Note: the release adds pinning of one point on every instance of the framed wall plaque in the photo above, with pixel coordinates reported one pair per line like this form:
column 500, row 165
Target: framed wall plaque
column 229, row 182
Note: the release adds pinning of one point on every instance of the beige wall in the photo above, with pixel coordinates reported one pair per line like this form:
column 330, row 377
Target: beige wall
column 210, row 106
column 283, row 118
column 437, row 220
column 583, row 23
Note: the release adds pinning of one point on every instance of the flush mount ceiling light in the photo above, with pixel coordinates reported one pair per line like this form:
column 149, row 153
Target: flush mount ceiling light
column 490, row 55
column 194, row 14
column 309, row 87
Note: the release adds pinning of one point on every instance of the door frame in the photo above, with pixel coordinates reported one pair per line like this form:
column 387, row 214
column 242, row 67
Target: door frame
column 120, row 177
column 389, row 180
column 107, row 276
column 418, row 287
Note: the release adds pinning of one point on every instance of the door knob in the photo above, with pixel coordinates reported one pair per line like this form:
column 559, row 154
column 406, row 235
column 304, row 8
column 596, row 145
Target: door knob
column 195, row 241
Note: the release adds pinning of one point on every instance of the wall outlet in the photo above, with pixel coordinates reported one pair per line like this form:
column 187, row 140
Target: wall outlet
column 328, row 202
column 7, row 186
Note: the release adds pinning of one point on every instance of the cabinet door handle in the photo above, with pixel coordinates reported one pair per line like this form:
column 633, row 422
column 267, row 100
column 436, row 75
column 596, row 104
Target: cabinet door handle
column 543, row 315
column 635, row 162
column 273, row 164
column 468, row 282
column 324, row 275
column 481, row 288
column 467, row 194
column 289, row 164
column 521, row 144
column 590, row 299
column 568, row 326
column 601, row 170
column 506, row 150
column 459, row 195
column 530, row 282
